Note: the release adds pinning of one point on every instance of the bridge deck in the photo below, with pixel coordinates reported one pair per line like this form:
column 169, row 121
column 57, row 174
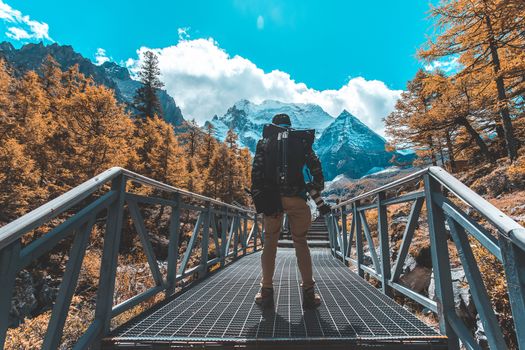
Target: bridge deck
column 220, row 310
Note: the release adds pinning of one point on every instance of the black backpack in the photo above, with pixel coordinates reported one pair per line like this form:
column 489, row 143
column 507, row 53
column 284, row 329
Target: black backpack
column 285, row 155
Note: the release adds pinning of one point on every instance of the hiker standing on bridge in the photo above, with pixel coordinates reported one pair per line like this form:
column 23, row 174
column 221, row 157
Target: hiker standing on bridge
column 278, row 187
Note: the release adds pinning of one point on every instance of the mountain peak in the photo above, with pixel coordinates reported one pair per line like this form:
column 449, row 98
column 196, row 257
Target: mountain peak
column 6, row 46
column 110, row 74
column 248, row 119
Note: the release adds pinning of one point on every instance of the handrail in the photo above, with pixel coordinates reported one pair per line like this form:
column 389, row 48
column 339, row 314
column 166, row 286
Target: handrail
column 168, row 188
column 500, row 220
column 225, row 225
column 13, row 230
column 389, row 186
column 444, row 218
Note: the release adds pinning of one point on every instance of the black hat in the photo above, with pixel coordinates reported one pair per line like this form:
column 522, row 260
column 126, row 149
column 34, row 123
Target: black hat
column 281, row 119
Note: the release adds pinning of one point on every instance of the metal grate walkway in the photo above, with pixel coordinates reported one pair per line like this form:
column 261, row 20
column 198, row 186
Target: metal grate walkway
column 220, row 310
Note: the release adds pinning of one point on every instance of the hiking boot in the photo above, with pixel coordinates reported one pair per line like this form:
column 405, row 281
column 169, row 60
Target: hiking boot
column 265, row 298
column 311, row 300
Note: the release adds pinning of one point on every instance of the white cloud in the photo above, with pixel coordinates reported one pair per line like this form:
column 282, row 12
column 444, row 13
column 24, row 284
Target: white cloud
column 17, row 33
column 447, row 65
column 22, row 26
column 101, row 57
column 260, row 22
column 183, row 33
column 205, row 80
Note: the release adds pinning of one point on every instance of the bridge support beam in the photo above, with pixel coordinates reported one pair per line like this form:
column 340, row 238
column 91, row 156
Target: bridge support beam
column 108, row 265
column 384, row 244
column 173, row 245
column 344, row 231
column 440, row 261
column 9, row 256
column 514, row 263
column 358, row 239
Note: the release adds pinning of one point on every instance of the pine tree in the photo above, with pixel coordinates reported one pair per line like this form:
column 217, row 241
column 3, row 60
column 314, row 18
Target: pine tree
column 209, row 147
column 98, row 130
column 485, row 35
column 161, row 156
column 7, row 122
column 216, row 180
column 146, row 100
column 19, row 188
column 35, row 125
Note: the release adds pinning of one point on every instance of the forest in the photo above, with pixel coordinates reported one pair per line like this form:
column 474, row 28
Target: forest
column 468, row 108
column 60, row 129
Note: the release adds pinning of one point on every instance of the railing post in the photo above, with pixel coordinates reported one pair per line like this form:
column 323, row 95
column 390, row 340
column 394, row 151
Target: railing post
column 9, row 256
column 384, row 241
column 255, row 232
column 358, row 239
column 224, row 234
column 108, row 265
column 173, row 245
column 245, row 234
column 344, row 233
column 205, row 242
column 329, row 226
column 514, row 264
column 263, row 231
column 236, row 233
column 440, row 261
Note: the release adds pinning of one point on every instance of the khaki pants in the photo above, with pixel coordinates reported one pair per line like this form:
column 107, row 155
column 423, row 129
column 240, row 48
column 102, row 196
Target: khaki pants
column 299, row 217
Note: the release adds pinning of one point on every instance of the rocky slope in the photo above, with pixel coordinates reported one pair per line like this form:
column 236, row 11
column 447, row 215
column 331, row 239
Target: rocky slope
column 110, row 74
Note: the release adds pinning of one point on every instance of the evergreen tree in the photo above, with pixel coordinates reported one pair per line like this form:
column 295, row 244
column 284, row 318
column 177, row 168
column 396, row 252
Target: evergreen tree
column 98, row 130
column 146, row 100
column 7, row 122
column 487, row 36
column 209, row 147
column 161, row 156
column 216, row 180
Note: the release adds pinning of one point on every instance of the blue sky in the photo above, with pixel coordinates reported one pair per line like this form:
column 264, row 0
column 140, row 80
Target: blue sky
column 320, row 47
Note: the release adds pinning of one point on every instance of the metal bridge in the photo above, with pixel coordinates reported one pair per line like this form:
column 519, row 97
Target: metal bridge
column 208, row 290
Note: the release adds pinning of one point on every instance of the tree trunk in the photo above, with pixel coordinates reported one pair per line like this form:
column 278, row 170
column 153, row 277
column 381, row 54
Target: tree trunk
column 510, row 139
column 475, row 136
column 440, row 149
column 452, row 160
column 432, row 154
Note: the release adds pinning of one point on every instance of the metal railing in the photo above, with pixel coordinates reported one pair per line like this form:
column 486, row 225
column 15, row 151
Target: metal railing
column 106, row 196
column 444, row 218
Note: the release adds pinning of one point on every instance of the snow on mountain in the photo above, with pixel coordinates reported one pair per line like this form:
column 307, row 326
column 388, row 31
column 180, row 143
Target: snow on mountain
column 344, row 145
column 349, row 147
column 247, row 119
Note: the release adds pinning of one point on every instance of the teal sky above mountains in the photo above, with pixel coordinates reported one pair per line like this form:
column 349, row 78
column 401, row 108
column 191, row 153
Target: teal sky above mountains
column 314, row 51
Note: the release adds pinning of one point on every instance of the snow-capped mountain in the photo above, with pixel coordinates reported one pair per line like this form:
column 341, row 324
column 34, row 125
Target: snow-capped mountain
column 344, row 144
column 350, row 147
column 247, row 119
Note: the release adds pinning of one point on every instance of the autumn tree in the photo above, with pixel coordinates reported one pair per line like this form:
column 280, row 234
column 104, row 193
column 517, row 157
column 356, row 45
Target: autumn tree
column 162, row 157
column 209, row 147
column 216, row 182
column 409, row 124
column 146, row 100
column 483, row 35
column 98, row 130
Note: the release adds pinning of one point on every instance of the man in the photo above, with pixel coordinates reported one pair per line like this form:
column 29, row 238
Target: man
column 289, row 189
